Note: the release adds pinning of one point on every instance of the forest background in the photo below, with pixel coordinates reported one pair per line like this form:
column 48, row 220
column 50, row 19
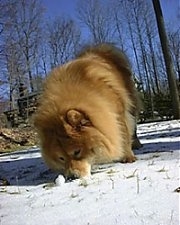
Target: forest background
column 34, row 40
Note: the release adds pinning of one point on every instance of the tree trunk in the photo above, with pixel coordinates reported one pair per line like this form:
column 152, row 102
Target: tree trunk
column 167, row 58
column 153, row 59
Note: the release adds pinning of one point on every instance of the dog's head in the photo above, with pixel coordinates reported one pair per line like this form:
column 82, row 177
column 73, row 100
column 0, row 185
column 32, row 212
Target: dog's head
column 69, row 142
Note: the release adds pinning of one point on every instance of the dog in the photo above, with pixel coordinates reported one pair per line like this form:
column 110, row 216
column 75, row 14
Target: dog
column 87, row 112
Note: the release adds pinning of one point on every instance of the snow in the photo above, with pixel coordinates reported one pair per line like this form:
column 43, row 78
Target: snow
column 141, row 193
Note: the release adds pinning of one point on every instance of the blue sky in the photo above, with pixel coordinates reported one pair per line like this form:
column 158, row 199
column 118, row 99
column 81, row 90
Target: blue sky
column 59, row 7
column 67, row 7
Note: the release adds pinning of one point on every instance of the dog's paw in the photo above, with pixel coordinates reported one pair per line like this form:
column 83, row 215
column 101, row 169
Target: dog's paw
column 127, row 159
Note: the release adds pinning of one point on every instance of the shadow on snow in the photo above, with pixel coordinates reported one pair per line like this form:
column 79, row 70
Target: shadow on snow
column 27, row 171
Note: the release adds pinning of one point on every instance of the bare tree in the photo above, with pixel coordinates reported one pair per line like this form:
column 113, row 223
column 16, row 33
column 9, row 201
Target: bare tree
column 27, row 26
column 9, row 57
column 167, row 59
column 142, row 38
column 174, row 42
column 151, row 41
column 20, row 26
column 15, row 70
column 7, row 10
column 97, row 17
column 133, row 13
column 44, row 58
column 64, row 39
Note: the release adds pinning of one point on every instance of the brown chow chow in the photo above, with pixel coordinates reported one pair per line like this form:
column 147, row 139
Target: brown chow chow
column 87, row 112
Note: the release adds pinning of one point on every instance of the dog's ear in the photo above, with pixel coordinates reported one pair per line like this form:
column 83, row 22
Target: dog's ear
column 77, row 119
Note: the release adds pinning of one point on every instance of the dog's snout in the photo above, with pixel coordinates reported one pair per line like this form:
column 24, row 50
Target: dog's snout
column 77, row 169
column 71, row 177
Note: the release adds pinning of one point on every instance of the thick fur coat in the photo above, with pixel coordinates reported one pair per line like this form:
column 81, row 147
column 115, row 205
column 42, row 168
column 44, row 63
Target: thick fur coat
column 87, row 112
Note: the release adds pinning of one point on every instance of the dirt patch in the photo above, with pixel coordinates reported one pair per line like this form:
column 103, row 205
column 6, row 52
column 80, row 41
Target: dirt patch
column 17, row 138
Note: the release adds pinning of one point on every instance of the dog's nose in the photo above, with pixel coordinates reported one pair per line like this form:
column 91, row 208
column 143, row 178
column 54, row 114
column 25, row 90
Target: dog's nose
column 71, row 177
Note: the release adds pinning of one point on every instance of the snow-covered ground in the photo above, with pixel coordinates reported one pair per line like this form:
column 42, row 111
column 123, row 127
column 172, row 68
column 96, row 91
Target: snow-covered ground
column 141, row 193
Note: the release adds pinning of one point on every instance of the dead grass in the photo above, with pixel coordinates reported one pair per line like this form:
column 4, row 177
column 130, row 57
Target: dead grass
column 17, row 139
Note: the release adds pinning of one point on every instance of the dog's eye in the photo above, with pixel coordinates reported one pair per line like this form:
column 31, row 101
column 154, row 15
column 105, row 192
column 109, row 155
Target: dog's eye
column 67, row 137
column 77, row 152
column 62, row 159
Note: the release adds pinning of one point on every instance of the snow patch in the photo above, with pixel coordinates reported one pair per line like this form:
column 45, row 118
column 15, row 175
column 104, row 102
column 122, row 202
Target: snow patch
column 142, row 193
